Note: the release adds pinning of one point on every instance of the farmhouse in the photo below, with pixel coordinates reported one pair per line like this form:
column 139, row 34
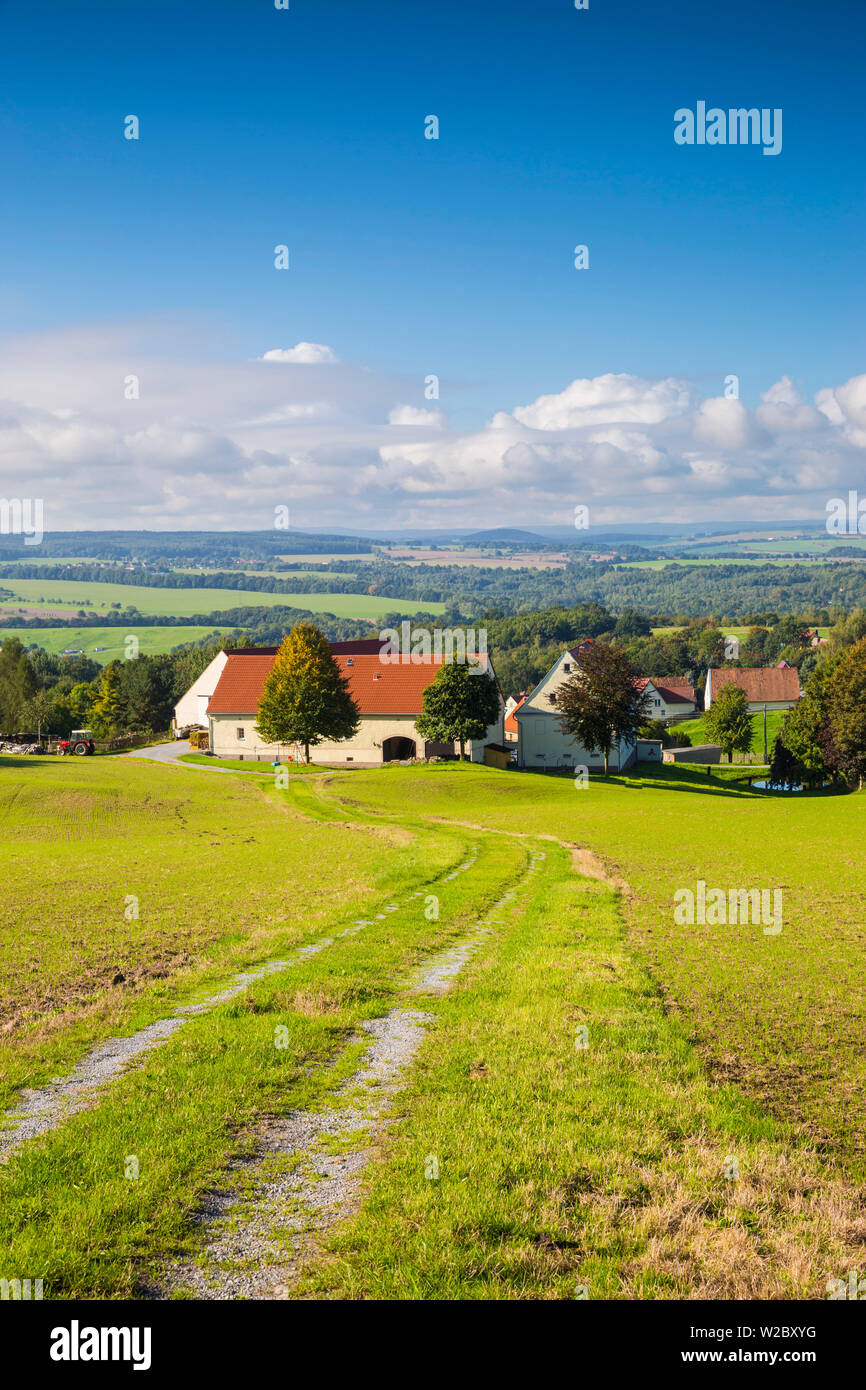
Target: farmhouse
column 767, row 687
column 190, row 712
column 540, row 740
column 388, row 693
column 669, row 697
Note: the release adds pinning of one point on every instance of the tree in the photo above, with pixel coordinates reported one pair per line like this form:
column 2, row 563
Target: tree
column 306, row 698
column 459, row 705
column 728, row 721
column 846, row 701
column 18, row 685
column 108, row 711
column 601, row 703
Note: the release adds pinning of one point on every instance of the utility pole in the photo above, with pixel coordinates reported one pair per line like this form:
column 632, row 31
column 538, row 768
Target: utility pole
column 765, row 734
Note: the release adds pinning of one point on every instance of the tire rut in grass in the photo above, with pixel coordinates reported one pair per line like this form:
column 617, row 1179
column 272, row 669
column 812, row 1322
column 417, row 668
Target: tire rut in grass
column 257, row 1239
column 43, row 1109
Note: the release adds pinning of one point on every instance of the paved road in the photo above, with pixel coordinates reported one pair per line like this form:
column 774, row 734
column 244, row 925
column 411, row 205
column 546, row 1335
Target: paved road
column 170, row 752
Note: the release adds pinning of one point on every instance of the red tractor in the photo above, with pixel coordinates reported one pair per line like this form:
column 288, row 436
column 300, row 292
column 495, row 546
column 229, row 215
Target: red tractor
column 80, row 741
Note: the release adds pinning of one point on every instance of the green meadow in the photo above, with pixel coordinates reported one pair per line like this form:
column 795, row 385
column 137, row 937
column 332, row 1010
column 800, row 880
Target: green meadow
column 106, row 644
column 618, row 1105
column 180, row 603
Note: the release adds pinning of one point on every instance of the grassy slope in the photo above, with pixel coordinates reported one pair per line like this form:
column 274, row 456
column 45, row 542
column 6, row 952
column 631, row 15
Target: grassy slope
column 152, row 641
column 224, row 875
column 783, row 1015
column 180, row 603
column 605, row 1171
column 696, row 732
column 558, row 1168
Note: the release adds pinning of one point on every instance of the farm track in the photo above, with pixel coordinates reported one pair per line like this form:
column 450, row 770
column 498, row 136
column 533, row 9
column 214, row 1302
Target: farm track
column 44, row 1109
column 257, row 1237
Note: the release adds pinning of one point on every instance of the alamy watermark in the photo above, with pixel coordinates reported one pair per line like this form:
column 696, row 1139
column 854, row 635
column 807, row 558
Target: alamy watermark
column 420, row 647
column 23, row 516
column 736, row 126
column 713, row 907
column 846, row 517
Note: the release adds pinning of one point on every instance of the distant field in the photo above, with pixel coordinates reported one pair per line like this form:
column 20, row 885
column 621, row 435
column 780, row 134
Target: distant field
column 484, row 559
column 152, row 641
column 55, row 595
column 729, row 631
column 777, row 546
column 276, row 574
column 728, row 560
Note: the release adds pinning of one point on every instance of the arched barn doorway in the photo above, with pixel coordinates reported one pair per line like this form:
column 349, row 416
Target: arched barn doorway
column 396, row 748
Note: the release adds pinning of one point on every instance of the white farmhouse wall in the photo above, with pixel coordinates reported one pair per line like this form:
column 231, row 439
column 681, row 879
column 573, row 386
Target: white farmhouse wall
column 191, row 708
column 541, row 741
column 365, row 749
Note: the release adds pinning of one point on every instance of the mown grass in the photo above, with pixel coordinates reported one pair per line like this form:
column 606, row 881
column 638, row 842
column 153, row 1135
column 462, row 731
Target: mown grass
column 69, row 1214
column 610, row 1170
column 696, row 731
column 781, row 1015
column 221, row 872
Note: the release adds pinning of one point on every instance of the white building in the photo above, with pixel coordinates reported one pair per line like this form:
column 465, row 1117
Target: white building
column 541, row 742
column 389, row 695
column 669, row 697
column 190, row 712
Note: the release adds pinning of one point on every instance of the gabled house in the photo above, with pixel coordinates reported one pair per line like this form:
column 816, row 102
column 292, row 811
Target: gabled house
column 766, row 687
column 541, row 742
column 512, row 705
column 190, row 712
column 668, row 697
column 388, row 693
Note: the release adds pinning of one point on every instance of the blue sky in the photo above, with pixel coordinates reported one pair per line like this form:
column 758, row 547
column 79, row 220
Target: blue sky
column 454, row 257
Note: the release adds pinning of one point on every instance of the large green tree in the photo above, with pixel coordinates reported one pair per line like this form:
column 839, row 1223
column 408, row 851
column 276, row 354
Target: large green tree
column 459, row 705
column 18, row 685
column 728, row 721
column 600, row 704
column 846, row 705
column 306, row 698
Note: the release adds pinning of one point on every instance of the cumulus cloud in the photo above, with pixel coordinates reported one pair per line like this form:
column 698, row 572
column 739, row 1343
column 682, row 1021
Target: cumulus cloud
column 219, row 443
column 845, row 406
column 609, row 399
column 784, row 409
column 307, row 353
column 414, row 415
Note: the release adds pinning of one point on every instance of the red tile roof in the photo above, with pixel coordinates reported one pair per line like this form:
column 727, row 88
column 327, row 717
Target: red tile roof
column 762, row 684
column 672, row 689
column 510, row 721
column 377, row 687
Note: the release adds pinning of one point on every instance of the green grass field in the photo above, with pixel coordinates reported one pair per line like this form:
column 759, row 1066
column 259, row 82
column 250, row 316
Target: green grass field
column 696, row 732
column 69, row 593
column 704, row 1138
column 106, row 644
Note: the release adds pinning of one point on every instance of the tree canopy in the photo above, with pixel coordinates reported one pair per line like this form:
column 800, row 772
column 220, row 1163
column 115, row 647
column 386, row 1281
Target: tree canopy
column 459, row 705
column 306, row 698
column 600, row 704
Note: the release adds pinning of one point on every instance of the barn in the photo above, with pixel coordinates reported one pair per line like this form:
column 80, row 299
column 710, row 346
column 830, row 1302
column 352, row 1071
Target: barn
column 388, row 693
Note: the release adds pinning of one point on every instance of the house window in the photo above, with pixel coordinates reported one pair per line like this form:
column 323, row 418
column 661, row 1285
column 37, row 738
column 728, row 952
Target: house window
column 553, row 698
column 566, row 666
column 241, row 734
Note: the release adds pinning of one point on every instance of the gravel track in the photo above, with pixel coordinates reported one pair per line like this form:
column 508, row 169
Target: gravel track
column 44, row 1109
column 257, row 1240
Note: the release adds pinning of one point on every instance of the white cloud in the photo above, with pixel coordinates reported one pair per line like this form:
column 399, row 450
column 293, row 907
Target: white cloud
column 219, row 443
column 307, row 353
column 845, row 406
column 784, row 409
column 609, row 399
column 414, row 415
